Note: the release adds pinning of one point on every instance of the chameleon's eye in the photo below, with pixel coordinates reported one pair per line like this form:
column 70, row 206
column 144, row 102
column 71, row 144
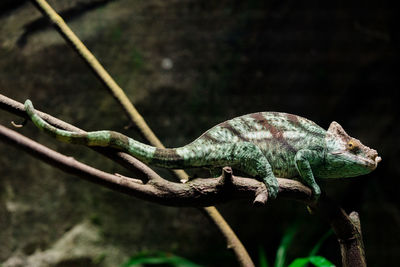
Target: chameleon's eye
column 352, row 146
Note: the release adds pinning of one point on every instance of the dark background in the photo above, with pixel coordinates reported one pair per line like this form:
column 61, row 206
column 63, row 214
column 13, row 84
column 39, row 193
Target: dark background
column 323, row 60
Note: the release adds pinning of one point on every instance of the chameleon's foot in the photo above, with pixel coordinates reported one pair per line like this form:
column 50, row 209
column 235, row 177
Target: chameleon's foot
column 316, row 193
column 273, row 190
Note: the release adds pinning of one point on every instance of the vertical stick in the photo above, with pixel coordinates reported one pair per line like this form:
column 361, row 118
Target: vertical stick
column 136, row 118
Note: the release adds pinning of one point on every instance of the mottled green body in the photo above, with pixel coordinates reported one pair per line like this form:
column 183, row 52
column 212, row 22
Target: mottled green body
column 278, row 136
column 263, row 145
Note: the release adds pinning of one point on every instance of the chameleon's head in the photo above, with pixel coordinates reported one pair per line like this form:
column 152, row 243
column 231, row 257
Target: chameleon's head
column 347, row 156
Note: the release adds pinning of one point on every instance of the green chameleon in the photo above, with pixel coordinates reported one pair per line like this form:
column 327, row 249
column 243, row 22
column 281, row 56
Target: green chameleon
column 264, row 145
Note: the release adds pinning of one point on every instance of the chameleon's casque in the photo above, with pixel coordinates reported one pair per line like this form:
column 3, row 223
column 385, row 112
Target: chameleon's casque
column 265, row 145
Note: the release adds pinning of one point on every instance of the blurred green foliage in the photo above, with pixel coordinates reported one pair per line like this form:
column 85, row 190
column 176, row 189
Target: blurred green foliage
column 168, row 259
column 158, row 259
column 281, row 253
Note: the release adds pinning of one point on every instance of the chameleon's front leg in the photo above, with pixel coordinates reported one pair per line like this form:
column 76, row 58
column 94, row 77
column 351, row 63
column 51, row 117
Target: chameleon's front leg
column 302, row 161
column 250, row 159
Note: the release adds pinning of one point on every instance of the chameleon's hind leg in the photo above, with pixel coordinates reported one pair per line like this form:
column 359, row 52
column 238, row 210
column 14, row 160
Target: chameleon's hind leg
column 249, row 159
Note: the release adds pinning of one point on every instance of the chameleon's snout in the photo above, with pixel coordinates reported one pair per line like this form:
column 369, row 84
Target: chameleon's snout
column 373, row 155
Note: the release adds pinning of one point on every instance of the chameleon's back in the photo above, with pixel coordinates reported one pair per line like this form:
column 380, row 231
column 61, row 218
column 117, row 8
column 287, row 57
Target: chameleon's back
column 278, row 135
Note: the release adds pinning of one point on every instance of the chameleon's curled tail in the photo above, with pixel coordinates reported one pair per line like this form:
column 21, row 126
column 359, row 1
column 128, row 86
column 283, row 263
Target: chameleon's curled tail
column 156, row 156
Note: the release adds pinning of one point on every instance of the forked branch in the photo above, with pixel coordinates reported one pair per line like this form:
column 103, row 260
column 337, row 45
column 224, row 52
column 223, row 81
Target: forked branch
column 198, row 192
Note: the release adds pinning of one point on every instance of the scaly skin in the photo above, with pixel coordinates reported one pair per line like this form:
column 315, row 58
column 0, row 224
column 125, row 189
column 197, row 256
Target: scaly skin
column 262, row 145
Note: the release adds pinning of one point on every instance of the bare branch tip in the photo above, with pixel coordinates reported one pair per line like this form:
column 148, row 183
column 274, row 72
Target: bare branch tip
column 355, row 219
column 354, row 215
column 261, row 198
column 227, row 173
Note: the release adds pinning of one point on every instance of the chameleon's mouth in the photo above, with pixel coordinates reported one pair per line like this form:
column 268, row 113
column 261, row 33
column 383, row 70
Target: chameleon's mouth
column 370, row 161
column 374, row 159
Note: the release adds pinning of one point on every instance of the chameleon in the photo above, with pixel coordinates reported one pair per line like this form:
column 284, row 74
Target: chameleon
column 264, row 145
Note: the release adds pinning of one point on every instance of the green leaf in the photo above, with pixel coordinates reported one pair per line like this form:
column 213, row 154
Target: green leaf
column 158, row 258
column 262, row 258
column 317, row 261
column 299, row 262
column 320, row 261
column 284, row 245
column 317, row 246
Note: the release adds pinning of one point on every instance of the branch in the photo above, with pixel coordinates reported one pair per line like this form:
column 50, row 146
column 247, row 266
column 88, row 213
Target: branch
column 198, row 192
column 347, row 229
column 201, row 192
